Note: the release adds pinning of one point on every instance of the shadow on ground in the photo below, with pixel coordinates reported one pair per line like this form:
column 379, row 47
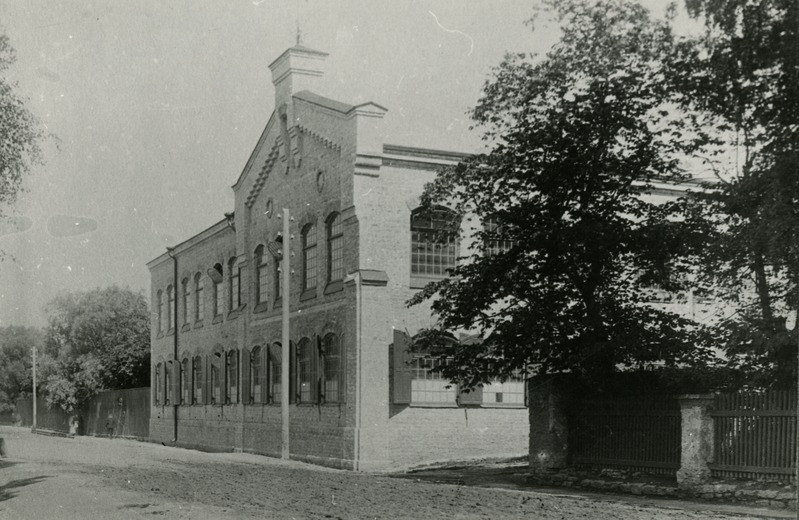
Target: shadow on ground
column 7, row 491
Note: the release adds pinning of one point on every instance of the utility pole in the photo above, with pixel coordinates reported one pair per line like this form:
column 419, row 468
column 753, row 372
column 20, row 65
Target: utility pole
column 34, row 387
column 286, row 351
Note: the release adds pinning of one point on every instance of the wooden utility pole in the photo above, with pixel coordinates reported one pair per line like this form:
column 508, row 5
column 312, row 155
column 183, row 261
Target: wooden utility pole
column 286, row 352
column 34, row 387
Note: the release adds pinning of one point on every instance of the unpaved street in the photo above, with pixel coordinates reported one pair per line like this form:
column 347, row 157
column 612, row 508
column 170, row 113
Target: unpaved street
column 91, row 478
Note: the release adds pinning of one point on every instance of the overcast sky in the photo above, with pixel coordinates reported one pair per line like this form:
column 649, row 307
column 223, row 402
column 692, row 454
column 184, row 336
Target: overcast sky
column 154, row 108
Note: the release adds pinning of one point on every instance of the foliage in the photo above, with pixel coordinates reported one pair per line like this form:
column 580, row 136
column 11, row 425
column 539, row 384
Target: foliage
column 19, row 132
column 15, row 363
column 742, row 73
column 95, row 340
column 579, row 137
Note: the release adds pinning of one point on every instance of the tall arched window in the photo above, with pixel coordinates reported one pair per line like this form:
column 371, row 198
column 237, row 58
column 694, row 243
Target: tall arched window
column 434, row 241
column 168, row 368
column 275, row 372
column 217, row 365
column 160, row 317
column 256, row 376
column 219, row 298
column 309, row 257
column 185, row 300
column 335, row 248
column 234, row 285
column 185, row 389
column 199, row 303
column 197, row 372
column 306, row 377
column 170, row 312
column 159, row 385
column 333, row 367
column 261, row 275
column 232, row 370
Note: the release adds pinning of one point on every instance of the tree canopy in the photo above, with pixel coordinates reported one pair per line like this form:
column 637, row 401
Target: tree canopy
column 578, row 138
column 16, row 379
column 95, row 340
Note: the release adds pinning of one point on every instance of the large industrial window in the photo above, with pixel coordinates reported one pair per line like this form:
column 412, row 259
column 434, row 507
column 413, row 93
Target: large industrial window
column 309, row 257
column 333, row 367
column 261, row 275
column 434, row 241
column 335, row 248
column 199, row 304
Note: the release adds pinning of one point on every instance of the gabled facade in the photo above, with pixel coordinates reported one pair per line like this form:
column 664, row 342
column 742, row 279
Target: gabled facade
column 358, row 252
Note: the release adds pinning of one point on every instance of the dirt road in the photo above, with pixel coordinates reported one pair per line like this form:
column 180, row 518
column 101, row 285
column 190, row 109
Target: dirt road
column 92, row 478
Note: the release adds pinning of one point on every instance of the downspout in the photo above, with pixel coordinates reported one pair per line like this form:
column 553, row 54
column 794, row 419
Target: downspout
column 358, row 378
column 176, row 398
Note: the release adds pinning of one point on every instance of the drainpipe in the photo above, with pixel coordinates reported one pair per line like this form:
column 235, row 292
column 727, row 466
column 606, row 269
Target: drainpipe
column 175, row 398
column 356, row 276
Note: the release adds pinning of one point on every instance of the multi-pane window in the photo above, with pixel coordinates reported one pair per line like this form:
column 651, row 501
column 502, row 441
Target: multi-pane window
column 275, row 372
column 497, row 240
column 219, row 298
column 335, row 248
column 510, row 391
column 216, row 378
column 309, row 257
column 158, row 385
column 160, row 301
column 261, row 275
column 334, row 375
column 199, row 304
column 168, row 382
column 185, row 397
column 232, row 369
column 234, row 285
column 170, row 291
column 427, row 383
column 256, row 374
column 305, row 376
column 185, row 302
column 197, row 367
column 434, row 241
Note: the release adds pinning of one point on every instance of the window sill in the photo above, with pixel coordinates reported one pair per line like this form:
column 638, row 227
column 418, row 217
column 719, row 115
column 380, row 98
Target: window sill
column 434, row 405
column 309, row 294
column 278, row 303
column 198, row 324
column 186, row 327
column 503, row 405
column 334, row 287
column 217, row 319
column 159, row 335
column 170, row 331
column 261, row 307
column 419, row 282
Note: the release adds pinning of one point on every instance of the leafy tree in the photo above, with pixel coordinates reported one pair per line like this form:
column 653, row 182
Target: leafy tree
column 19, row 132
column 15, row 363
column 578, row 137
column 742, row 74
column 95, row 340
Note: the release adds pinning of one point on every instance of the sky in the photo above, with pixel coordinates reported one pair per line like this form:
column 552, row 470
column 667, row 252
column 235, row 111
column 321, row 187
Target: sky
column 152, row 109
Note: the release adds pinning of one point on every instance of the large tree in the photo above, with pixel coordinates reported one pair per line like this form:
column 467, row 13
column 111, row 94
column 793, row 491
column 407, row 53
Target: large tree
column 95, row 340
column 19, row 132
column 16, row 344
column 578, row 138
column 742, row 74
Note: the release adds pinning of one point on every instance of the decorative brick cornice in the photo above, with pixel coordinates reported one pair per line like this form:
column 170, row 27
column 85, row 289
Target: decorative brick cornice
column 266, row 169
column 324, row 141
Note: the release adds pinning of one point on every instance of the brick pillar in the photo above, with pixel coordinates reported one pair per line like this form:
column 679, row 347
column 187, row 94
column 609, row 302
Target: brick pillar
column 548, row 427
column 697, row 439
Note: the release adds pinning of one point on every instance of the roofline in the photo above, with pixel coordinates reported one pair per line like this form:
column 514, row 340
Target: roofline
column 425, row 153
column 200, row 237
column 257, row 146
column 299, row 48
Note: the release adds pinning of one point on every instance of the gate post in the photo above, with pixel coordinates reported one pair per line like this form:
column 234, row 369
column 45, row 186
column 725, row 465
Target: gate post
column 548, row 426
column 697, row 439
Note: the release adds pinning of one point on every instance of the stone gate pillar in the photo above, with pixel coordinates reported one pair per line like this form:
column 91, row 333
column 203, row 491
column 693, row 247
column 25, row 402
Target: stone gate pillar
column 548, row 427
column 697, row 439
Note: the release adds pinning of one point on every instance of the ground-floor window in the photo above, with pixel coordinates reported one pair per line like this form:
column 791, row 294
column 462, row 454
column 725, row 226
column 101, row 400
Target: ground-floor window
column 305, row 372
column 168, row 383
column 158, row 384
column 216, row 378
column 197, row 368
column 427, row 385
column 275, row 373
column 185, row 397
column 333, row 368
column 232, row 370
column 256, row 374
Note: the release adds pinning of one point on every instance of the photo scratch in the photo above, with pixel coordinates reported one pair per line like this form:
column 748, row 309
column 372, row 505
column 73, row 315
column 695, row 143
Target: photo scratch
column 471, row 40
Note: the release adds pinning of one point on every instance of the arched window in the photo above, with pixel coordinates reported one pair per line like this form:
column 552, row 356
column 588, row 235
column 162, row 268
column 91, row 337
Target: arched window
column 333, row 367
column 185, row 303
column 185, row 389
column 278, row 262
column 199, row 304
column 309, row 257
column 219, row 298
column 261, row 275
column 160, row 317
column 170, row 322
column 335, row 248
column 168, row 368
column 434, row 241
column 256, row 376
column 275, row 372
column 197, row 371
column 232, row 370
column 158, row 385
column 217, row 365
column 234, row 287
column 306, row 373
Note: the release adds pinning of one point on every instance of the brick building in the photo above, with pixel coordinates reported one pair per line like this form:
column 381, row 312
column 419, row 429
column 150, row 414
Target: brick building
column 359, row 400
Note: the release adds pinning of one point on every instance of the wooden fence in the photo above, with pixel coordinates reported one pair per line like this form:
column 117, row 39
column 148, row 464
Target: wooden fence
column 755, row 435
column 641, row 434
